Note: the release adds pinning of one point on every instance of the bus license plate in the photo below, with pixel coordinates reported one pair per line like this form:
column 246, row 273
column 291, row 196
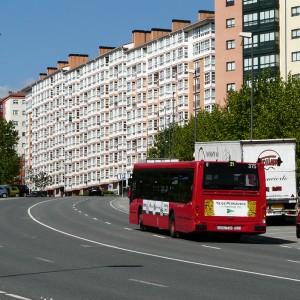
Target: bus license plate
column 224, row 227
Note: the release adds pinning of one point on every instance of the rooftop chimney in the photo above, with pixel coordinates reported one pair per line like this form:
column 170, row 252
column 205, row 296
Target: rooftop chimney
column 61, row 64
column 158, row 32
column 178, row 24
column 51, row 70
column 140, row 37
column 203, row 14
column 104, row 49
column 76, row 60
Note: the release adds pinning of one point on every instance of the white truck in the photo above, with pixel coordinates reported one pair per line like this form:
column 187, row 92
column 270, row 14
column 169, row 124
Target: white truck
column 279, row 158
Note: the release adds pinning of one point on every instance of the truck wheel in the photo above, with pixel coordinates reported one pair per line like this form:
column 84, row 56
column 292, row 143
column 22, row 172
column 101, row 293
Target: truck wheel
column 172, row 226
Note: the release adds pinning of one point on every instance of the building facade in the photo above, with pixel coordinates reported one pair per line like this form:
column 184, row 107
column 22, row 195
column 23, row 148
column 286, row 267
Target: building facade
column 273, row 27
column 13, row 109
column 89, row 121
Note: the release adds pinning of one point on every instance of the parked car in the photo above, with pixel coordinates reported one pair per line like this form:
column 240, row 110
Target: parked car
column 3, row 192
column 24, row 189
column 298, row 225
column 95, row 191
column 38, row 194
column 13, row 191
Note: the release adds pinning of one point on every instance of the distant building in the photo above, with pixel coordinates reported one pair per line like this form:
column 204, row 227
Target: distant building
column 274, row 26
column 13, row 108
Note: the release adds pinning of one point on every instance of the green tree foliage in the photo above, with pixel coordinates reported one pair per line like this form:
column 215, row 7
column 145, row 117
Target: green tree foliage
column 9, row 159
column 41, row 180
column 276, row 115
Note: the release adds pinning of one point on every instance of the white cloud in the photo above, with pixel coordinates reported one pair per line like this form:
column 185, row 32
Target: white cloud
column 28, row 81
column 4, row 90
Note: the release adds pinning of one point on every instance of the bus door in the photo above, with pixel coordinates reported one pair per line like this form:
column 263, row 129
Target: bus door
column 182, row 191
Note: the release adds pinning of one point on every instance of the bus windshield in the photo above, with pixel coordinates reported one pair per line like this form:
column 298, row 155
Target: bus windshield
column 230, row 176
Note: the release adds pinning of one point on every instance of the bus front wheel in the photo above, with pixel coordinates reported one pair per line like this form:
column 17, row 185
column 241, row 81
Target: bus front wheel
column 142, row 226
column 172, row 226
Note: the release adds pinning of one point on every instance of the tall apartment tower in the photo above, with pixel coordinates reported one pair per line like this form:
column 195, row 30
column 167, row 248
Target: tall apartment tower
column 267, row 29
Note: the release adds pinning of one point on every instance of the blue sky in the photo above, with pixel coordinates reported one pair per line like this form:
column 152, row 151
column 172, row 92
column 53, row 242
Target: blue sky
column 35, row 34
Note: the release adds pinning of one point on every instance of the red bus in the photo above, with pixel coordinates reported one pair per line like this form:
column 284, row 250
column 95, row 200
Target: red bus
column 199, row 196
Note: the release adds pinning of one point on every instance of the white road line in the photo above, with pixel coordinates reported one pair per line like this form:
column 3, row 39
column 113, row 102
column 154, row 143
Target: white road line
column 283, row 246
column 17, row 296
column 116, row 208
column 95, row 219
column 155, row 255
column 211, row 247
column 294, row 261
column 127, row 228
column 44, row 259
column 159, row 236
column 147, row 282
column 107, row 223
column 86, row 215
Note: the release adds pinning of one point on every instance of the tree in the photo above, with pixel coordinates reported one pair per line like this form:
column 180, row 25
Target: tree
column 276, row 111
column 41, row 180
column 10, row 161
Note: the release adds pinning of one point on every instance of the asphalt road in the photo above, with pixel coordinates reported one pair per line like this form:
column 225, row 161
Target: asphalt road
column 84, row 248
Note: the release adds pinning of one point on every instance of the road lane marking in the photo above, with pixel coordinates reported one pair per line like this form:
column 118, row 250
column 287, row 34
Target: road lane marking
column 127, row 228
column 17, row 296
column 108, row 223
column 117, row 208
column 294, row 261
column 211, row 247
column 44, row 259
column 149, row 283
column 95, row 219
column 154, row 255
column 159, row 236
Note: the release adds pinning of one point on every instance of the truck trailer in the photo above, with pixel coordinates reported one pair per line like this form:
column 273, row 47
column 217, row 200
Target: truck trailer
column 279, row 159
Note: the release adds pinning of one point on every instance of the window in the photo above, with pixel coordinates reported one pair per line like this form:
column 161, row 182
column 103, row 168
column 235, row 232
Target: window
column 268, row 16
column 248, row 63
column 15, row 112
column 229, row 2
column 246, row 2
column 230, row 44
column 296, row 56
column 230, row 66
column 267, row 37
column 295, row 11
column 296, row 33
column 230, row 86
column 230, row 23
column 268, row 61
column 250, row 19
column 15, row 101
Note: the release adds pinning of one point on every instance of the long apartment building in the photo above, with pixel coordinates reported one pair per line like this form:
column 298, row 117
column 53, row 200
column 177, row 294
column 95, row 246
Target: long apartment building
column 89, row 121
column 273, row 31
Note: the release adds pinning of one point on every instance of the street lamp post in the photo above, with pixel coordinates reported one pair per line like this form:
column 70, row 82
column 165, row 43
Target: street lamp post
column 173, row 125
column 249, row 35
